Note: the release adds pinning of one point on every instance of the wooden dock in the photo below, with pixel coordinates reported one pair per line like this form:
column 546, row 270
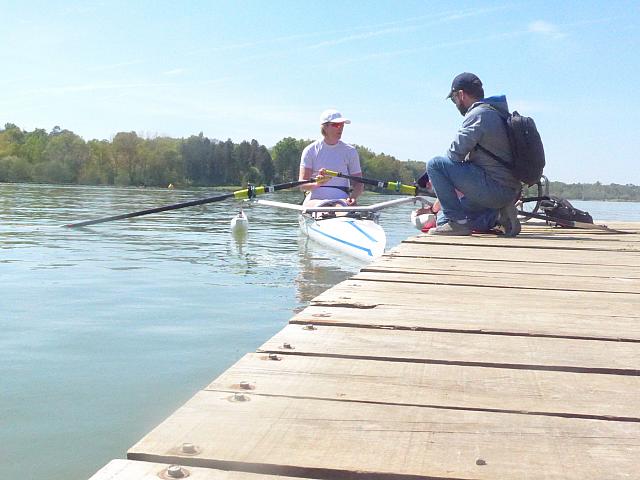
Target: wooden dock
column 449, row 358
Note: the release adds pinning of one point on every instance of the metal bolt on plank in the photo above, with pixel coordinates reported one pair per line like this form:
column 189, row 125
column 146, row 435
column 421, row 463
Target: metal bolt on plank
column 176, row 471
column 189, row 449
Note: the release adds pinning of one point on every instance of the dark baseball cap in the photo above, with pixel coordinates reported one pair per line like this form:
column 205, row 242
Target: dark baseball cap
column 465, row 81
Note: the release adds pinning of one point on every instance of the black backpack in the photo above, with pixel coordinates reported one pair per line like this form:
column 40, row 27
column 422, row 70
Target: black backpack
column 562, row 209
column 526, row 148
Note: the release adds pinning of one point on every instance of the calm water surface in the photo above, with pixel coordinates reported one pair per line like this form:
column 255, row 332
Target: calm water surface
column 109, row 329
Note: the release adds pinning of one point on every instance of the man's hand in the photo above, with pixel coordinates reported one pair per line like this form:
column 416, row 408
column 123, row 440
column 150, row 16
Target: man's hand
column 426, row 209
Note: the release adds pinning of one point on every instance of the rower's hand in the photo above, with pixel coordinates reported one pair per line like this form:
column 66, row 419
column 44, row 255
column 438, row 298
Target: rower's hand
column 320, row 179
column 351, row 201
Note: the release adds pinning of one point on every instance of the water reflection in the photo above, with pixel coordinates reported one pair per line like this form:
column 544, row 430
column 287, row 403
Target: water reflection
column 320, row 269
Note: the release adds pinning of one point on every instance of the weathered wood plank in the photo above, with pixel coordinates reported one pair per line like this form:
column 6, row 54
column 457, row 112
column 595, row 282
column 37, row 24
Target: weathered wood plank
column 408, row 264
column 625, row 228
column 499, row 351
column 499, row 302
column 629, row 226
column 542, row 241
column 133, row 470
column 506, row 280
column 516, row 255
column 630, row 235
column 428, row 314
column 447, row 386
column 334, row 439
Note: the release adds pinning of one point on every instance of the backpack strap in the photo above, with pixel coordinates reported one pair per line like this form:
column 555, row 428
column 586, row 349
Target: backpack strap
column 494, row 156
column 504, row 118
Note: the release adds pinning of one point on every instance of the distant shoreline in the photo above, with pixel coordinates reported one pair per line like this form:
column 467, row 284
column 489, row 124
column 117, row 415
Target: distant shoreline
column 571, row 191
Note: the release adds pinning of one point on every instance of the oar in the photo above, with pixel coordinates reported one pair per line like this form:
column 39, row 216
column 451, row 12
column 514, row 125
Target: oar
column 393, row 186
column 249, row 192
column 569, row 223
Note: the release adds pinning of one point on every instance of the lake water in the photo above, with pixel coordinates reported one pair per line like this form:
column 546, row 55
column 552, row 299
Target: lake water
column 107, row 330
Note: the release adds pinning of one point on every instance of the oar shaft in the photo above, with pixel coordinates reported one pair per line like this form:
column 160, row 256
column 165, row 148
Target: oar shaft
column 393, row 186
column 239, row 194
column 149, row 211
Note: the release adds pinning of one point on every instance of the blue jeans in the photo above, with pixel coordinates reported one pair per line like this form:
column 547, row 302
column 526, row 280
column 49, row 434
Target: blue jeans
column 483, row 196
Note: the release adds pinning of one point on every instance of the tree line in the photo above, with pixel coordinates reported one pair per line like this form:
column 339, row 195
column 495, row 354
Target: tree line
column 596, row 191
column 62, row 157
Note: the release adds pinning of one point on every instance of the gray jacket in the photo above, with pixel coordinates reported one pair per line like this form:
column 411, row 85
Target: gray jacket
column 483, row 125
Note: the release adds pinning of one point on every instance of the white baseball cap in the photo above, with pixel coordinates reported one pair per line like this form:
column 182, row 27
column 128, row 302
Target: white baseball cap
column 332, row 116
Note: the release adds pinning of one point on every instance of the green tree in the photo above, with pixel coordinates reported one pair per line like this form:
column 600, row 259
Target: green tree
column 15, row 169
column 101, row 168
column 286, row 158
column 197, row 155
column 62, row 159
column 34, row 145
column 11, row 138
column 125, row 151
column 226, row 161
column 264, row 163
column 243, row 158
column 164, row 164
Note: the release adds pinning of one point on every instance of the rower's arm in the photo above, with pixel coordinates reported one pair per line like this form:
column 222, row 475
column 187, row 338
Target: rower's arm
column 305, row 174
column 356, row 187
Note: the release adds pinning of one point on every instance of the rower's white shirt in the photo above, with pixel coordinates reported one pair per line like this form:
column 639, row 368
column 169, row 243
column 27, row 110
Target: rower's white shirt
column 340, row 157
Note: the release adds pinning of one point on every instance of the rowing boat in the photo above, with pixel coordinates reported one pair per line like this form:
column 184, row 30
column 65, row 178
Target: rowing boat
column 353, row 230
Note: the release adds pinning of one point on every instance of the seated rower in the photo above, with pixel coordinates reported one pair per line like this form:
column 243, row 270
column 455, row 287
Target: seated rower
column 331, row 153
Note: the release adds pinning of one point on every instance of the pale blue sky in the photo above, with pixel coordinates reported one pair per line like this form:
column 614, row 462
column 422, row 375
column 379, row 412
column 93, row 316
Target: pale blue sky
column 266, row 69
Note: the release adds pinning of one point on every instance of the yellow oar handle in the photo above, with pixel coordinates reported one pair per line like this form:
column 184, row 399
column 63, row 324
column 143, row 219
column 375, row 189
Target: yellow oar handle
column 250, row 192
column 400, row 187
column 331, row 173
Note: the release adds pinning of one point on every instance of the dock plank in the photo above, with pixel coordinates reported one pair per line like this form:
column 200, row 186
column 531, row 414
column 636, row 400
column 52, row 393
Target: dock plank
column 428, row 314
column 120, row 469
column 503, row 351
column 528, row 304
column 505, row 280
column 132, row 470
column 488, row 267
column 280, row 435
column 447, row 386
column 516, row 254
column 611, row 243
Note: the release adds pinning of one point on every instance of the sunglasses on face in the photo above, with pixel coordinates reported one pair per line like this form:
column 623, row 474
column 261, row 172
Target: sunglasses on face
column 454, row 95
column 336, row 125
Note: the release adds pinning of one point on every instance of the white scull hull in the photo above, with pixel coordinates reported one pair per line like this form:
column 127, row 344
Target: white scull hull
column 362, row 239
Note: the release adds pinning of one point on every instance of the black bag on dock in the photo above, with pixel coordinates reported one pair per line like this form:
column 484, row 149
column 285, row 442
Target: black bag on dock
column 560, row 208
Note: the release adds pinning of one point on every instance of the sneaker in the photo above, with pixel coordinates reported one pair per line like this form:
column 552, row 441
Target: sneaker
column 508, row 220
column 429, row 224
column 451, row 228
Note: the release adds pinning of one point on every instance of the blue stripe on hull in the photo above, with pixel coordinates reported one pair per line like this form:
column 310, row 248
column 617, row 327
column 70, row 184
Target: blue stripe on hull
column 344, row 242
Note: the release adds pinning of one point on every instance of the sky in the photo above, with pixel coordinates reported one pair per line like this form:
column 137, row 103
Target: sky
column 265, row 70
